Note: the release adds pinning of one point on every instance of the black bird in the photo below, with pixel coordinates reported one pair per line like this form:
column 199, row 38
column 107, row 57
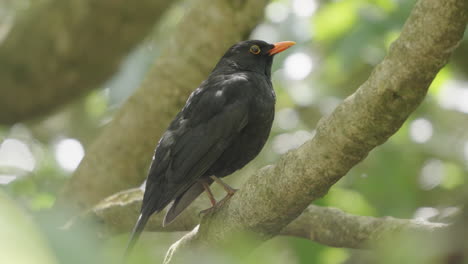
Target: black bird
column 223, row 126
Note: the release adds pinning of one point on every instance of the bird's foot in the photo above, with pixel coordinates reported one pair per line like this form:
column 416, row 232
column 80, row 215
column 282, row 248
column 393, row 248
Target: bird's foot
column 219, row 204
column 230, row 192
column 206, row 211
column 227, row 197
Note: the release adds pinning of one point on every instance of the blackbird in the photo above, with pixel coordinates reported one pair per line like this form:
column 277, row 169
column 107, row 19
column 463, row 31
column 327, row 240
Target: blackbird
column 223, row 126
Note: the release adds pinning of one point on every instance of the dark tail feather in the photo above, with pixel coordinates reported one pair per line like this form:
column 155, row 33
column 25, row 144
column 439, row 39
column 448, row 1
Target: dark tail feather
column 184, row 200
column 139, row 226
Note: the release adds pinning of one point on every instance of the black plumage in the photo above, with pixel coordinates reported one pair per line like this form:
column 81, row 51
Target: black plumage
column 223, row 126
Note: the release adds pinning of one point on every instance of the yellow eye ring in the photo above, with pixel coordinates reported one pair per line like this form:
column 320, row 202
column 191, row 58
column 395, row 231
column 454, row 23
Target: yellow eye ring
column 254, row 49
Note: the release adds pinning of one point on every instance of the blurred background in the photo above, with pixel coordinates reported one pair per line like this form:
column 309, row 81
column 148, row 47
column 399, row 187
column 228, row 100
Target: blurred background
column 419, row 173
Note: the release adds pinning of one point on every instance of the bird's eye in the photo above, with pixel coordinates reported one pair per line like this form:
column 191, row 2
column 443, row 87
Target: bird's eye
column 255, row 49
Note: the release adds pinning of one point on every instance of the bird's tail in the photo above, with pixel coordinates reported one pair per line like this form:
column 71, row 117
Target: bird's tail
column 139, row 226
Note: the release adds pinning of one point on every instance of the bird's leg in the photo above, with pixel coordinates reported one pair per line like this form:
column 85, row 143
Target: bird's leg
column 230, row 191
column 209, row 193
column 206, row 186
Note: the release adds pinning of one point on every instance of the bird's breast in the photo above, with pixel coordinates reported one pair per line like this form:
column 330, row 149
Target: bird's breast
column 251, row 139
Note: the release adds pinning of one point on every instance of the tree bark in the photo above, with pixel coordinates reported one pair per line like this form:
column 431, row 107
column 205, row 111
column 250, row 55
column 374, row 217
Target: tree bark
column 119, row 157
column 274, row 196
column 324, row 225
column 59, row 50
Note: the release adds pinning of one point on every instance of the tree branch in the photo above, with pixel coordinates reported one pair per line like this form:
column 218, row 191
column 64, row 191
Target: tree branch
column 328, row 226
column 119, row 157
column 333, row 227
column 61, row 49
column 274, row 196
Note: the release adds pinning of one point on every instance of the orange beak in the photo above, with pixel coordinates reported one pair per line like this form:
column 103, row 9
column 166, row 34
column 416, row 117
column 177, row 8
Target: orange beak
column 281, row 46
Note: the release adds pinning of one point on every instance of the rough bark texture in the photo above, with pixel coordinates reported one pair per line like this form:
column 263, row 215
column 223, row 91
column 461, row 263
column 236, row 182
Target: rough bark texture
column 276, row 195
column 119, row 157
column 328, row 226
column 61, row 49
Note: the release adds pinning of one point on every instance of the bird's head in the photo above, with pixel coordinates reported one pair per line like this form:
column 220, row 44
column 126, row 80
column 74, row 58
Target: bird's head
column 252, row 55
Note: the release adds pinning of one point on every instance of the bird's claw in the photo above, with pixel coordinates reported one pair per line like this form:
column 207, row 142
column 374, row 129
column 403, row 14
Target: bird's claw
column 218, row 204
column 206, row 211
column 231, row 192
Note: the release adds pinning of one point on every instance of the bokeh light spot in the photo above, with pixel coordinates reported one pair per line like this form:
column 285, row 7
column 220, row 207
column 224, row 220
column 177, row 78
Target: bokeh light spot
column 424, row 213
column 304, row 8
column 420, row 130
column 15, row 153
column 432, row 174
column 6, row 179
column 68, row 153
column 298, row 65
column 454, row 95
column 276, row 12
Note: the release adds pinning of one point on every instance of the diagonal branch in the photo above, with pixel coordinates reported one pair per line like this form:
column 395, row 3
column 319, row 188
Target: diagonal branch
column 328, row 226
column 57, row 50
column 274, row 196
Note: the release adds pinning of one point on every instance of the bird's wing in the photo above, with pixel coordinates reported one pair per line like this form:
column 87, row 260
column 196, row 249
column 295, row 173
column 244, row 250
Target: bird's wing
column 194, row 141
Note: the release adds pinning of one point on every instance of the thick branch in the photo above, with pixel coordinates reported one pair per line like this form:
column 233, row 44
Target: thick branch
column 120, row 156
column 328, row 226
column 275, row 196
column 62, row 49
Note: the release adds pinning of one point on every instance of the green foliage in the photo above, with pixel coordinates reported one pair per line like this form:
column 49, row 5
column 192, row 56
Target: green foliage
column 22, row 242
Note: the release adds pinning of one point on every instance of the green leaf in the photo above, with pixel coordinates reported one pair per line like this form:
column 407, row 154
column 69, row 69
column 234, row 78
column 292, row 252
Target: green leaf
column 334, row 19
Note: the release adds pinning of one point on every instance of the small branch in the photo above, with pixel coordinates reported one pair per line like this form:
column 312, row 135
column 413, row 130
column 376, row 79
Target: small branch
column 57, row 50
column 328, row 226
column 120, row 156
column 333, row 227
